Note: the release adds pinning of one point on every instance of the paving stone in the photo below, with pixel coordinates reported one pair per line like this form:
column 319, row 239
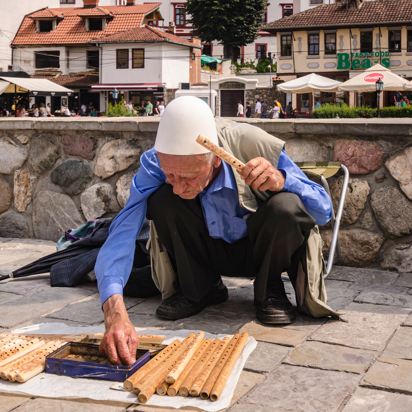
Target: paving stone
column 382, row 309
column 363, row 275
column 9, row 402
column 292, row 388
column 53, row 405
column 148, row 307
column 362, row 330
column 340, row 298
column 26, row 286
column 247, row 407
column 88, row 311
column 337, row 284
column 398, row 257
column 7, row 297
column 213, row 322
column 331, row 357
column 390, row 373
column 369, row 400
column 238, row 282
column 305, row 323
column 390, row 299
column 282, row 336
column 29, row 307
column 408, row 322
column 150, row 322
column 400, row 345
column 240, row 301
column 266, row 357
column 247, row 380
column 405, row 279
column 364, row 286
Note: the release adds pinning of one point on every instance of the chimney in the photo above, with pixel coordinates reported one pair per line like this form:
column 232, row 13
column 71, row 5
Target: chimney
column 90, row 4
column 172, row 28
column 130, row 2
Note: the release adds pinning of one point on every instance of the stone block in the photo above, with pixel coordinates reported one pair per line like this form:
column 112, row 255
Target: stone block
column 247, row 381
column 331, row 357
column 98, row 200
column 371, row 276
column 400, row 344
column 266, row 357
column 25, row 287
column 150, row 322
column 292, row 388
column 370, row 287
column 408, row 321
column 148, row 307
column 115, row 156
column 303, row 150
column 393, row 211
column 400, row 167
column 9, row 402
column 405, row 279
column 398, row 257
column 12, row 156
column 126, row 125
column 53, row 405
column 381, row 309
column 23, row 138
column 366, row 221
column 305, row 323
column 362, row 330
column 43, row 153
column 13, row 225
column 72, row 176
column 359, row 247
column 281, row 336
column 360, row 157
column 78, row 145
column 368, row 400
column 53, row 214
column 150, row 124
column 390, row 299
column 356, row 197
column 390, row 374
column 339, row 299
column 7, row 297
column 240, row 302
column 248, row 407
column 28, row 307
column 23, row 189
column 123, row 188
column 6, row 195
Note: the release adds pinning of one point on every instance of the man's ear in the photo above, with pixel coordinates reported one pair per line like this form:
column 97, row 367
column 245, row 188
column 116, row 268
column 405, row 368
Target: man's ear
column 217, row 162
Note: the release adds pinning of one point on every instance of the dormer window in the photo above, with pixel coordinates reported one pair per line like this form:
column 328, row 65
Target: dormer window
column 95, row 24
column 46, row 26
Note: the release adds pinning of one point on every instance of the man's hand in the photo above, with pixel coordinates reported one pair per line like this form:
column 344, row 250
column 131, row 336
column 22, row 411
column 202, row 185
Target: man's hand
column 120, row 340
column 261, row 175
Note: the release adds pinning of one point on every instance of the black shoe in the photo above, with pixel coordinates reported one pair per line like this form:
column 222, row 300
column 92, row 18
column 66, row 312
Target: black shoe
column 178, row 307
column 276, row 308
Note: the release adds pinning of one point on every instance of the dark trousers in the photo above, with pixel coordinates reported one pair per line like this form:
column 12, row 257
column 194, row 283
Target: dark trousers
column 276, row 234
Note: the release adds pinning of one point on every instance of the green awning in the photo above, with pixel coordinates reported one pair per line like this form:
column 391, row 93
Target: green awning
column 207, row 59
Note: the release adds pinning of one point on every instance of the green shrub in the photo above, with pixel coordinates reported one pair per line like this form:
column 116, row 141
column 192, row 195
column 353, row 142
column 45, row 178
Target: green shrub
column 261, row 67
column 329, row 111
column 118, row 110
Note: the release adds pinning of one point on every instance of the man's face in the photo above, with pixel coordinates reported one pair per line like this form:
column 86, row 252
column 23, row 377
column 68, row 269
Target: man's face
column 190, row 174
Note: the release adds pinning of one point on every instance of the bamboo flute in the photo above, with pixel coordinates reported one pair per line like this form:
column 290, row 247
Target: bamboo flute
column 220, row 152
column 185, row 358
column 11, row 344
column 162, row 388
column 17, row 352
column 142, row 338
column 173, row 389
column 172, row 358
column 194, row 373
column 5, row 340
column 224, row 375
column 136, row 377
column 204, row 374
column 208, row 386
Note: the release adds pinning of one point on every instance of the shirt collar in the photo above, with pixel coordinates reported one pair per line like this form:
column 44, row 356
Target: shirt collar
column 225, row 179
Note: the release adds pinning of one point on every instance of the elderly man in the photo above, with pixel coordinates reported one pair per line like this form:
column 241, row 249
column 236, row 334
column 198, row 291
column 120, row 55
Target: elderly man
column 208, row 221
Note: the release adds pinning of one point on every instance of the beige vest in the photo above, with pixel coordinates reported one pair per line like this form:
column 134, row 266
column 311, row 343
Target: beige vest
column 246, row 142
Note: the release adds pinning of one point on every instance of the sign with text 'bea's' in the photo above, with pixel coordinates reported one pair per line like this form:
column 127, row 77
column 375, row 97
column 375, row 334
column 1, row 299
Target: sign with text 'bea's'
column 355, row 61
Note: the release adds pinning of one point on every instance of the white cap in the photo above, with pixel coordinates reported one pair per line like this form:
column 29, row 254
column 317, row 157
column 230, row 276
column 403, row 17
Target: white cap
column 181, row 123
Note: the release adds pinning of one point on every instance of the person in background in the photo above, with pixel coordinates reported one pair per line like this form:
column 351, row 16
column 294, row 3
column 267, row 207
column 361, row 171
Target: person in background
column 161, row 108
column 248, row 110
column 83, row 108
column 290, row 111
column 130, row 106
column 276, row 111
column 35, row 110
column 317, row 104
column 397, row 98
column 22, row 111
column 406, row 100
column 66, row 111
column 156, row 109
column 403, row 102
column 258, row 108
column 264, row 110
column 42, row 110
column 90, row 107
column 149, row 108
column 240, row 112
column 48, row 109
column 277, row 103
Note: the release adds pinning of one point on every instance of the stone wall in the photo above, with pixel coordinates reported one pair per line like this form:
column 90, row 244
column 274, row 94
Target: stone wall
column 266, row 94
column 57, row 173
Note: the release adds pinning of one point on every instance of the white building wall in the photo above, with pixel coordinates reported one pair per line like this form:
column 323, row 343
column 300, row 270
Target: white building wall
column 11, row 16
column 175, row 65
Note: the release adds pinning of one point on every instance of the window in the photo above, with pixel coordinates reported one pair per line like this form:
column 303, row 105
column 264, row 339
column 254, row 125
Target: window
column 261, row 51
column 208, row 49
column 286, row 45
column 67, row 1
column 409, row 41
column 330, row 43
column 122, row 58
column 313, row 44
column 45, row 26
column 47, row 59
column 394, row 40
column 138, row 58
column 180, row 15
column 93, row 59
column 95, row 24
column 316, row 1
column 366, row 38
column 287, row 10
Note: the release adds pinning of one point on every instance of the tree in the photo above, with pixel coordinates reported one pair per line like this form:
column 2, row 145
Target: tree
column 233, row 23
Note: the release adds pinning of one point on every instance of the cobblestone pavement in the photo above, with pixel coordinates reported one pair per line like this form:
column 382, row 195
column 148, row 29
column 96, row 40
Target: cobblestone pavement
column 311, row 365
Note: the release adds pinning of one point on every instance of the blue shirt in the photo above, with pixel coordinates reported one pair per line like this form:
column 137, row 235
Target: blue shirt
column 224, row 217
